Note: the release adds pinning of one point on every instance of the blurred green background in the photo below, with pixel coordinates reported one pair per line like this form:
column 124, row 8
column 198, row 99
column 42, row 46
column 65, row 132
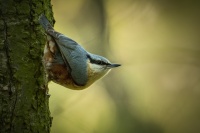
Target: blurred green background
column 157, row 88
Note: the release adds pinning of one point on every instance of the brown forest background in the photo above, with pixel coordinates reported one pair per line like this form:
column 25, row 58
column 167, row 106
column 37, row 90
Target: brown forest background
column 157, row 89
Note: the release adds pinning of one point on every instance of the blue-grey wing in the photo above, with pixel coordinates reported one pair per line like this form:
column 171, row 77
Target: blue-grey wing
column 72, row 53
column 76, row 58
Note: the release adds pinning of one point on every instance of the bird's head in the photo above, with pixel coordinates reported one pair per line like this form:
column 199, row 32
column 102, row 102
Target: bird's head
column 99, row 66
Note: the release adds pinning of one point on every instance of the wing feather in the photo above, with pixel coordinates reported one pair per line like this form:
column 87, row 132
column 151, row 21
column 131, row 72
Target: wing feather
column 76, row 57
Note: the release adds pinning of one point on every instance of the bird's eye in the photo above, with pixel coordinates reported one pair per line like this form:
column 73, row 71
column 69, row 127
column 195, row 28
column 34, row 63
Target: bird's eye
column 99, row 62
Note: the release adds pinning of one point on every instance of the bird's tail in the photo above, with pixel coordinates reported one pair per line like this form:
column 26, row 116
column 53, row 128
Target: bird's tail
column 45, row 22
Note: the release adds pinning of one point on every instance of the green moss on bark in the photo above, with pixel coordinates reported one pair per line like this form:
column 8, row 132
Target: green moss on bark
column 23, row 103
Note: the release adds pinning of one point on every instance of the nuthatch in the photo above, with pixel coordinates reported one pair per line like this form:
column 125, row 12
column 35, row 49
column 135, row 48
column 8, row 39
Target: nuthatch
column 69, row 64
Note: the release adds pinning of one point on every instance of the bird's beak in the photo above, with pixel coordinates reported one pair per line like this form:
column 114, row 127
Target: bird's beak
column 113, row 66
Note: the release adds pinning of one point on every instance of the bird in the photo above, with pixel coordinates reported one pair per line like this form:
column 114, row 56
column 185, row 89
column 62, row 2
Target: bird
column 67, row 63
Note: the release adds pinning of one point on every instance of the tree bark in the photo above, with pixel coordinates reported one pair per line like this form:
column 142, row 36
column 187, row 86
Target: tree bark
column 24, row 106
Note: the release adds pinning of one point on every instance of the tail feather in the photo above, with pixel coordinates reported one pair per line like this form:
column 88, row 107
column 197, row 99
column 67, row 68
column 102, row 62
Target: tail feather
column 45, row 22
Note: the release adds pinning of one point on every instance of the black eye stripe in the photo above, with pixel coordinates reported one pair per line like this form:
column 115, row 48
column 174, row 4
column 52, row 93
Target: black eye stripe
column 99, row 62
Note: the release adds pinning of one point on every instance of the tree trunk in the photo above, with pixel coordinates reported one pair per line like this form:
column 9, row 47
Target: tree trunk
column 24, row 106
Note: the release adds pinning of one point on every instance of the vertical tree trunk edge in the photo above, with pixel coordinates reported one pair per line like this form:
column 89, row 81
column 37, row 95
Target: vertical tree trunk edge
column 24, row 105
